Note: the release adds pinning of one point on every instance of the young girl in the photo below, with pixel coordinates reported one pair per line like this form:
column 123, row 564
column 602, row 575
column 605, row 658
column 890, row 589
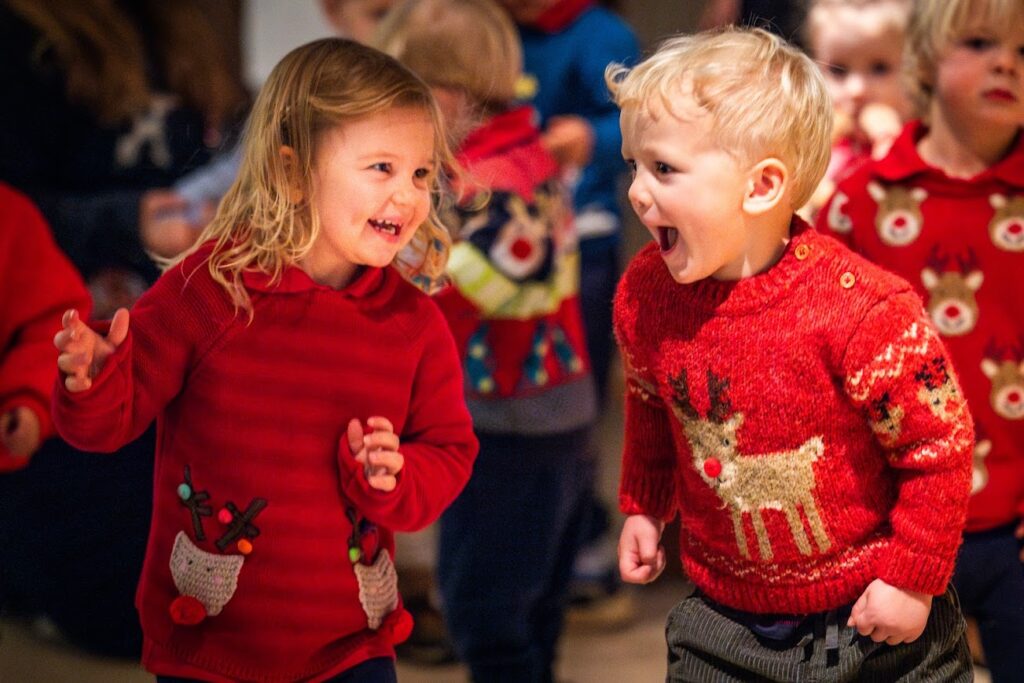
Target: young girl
column 308, row 399
column 508, row 542
column 945, row 209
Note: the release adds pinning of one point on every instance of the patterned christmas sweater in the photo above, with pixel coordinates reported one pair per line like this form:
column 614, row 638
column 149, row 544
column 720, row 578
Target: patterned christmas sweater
column 37, row 284
column 513, row 303
column 804, row 423
column 961, row 244
column 269, row 556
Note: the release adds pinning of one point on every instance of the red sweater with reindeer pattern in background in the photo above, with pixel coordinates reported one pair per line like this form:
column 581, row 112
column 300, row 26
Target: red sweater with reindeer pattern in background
column 805, row 424
column 961, row 244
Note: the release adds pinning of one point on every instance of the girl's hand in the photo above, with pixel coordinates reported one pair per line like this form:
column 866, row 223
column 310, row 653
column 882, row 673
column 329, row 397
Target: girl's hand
column 83, row 352
column 890, row 614
column 19, row 431
column 377, row 452
column 641, row 558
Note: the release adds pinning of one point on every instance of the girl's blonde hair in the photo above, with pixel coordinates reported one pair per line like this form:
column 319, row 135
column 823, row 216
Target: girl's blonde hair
column 315, row 87
column 766, row 98
column 468, row 45
column 937, row 24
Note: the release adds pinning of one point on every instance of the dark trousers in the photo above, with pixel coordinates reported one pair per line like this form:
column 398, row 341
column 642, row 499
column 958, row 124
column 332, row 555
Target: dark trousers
column 376, row 670
column 989, row 577
column 73, row 530
column 599, row 274
column 706, row 645
column 506, row 553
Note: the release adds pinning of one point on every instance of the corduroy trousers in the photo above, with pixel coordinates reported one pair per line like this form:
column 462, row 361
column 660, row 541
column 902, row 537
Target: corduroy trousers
column 707, row 645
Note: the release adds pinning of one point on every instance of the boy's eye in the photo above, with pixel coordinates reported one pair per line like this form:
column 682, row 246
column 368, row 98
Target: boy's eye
column 976, row 43
column 662, row 167
column 837, row 70
column 631, row 165
column 382, row 166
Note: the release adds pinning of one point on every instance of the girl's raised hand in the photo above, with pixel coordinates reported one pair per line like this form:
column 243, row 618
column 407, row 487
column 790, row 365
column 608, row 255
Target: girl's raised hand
column 377, row 452
column 83, row 352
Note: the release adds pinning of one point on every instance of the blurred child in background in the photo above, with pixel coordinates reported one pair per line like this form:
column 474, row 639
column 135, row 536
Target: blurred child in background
column 945, row 209
column 508, row 542
column 292, row 442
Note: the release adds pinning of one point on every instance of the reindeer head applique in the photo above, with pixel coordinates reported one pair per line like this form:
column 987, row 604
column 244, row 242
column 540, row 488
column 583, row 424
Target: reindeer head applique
column 951, row 302
column 898, row 220
column 886, row 419
column 1006, row 229
column 750, row 484
column 1004, row 366
column 938, row 391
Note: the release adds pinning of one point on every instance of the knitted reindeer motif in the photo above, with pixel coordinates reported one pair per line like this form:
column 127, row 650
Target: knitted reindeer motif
column 951, row 302
column 938, row 391
column 979, row 473
column 1006, row 229
column 886, row 419
column 750, row 484
column 898, row 219
column 1004, row 366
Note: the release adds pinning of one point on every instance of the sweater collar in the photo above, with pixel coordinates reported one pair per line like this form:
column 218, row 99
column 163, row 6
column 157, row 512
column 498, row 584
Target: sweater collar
column 750, row 294
column 513, row 128
column 904, row 161
column 561, row 15
column 293, row 279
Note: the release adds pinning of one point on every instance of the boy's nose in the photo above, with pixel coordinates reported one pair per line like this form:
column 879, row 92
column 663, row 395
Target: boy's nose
column 1008, row 59
column 639, row 198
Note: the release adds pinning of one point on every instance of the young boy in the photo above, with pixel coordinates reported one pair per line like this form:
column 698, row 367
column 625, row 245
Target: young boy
column 945, row 209
column 789, row 400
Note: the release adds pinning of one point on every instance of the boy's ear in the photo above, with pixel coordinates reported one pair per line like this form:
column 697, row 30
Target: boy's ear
column 767, row 183
column 291, row 169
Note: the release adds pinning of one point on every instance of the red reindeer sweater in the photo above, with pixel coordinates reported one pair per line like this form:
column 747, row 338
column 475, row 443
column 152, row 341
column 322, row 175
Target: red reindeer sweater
column 805, row 424
column 961, row 244
column 37, row 284
column 269, row 554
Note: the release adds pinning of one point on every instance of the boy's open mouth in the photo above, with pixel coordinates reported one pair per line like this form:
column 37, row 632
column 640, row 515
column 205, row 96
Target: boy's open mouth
column 386, row 227
column 667, row 237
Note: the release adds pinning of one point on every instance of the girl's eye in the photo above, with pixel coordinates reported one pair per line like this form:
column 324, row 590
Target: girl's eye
column 382, row 166
column 422, row 173
column 881, row 69
column 662, row 167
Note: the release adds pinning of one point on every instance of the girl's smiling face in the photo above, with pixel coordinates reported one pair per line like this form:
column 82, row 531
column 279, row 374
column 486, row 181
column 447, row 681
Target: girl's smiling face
column 371, row 189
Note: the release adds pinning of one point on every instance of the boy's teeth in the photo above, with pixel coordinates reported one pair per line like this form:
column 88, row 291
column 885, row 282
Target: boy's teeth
column 667, row 238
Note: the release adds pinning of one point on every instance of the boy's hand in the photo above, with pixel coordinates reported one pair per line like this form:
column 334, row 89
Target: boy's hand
column 890, row 614
column 570, row 140
column 19, row 431
column 641, row 558
column 377, row 452
column 164, row 227
column 83, row 352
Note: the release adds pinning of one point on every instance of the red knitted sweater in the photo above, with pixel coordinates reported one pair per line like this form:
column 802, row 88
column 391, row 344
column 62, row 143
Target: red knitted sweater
column 37, row 284
column 961, row 244
column 254, row 481
column 804, row 423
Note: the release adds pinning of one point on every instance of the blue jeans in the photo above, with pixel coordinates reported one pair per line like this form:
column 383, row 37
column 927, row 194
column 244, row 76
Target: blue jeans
column 989, row 577
column 506, row 553
column 376, row 670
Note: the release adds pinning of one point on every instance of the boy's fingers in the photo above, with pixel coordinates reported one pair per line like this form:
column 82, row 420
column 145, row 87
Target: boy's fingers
column 118, row 327
column 355, row 437
column 378, row 423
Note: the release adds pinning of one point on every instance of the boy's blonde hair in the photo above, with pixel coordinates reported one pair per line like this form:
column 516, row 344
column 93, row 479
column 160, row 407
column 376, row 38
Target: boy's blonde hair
column 894, row 13
column 314, row 88
column 766, row 98
column 467, row 45
column 937, row 24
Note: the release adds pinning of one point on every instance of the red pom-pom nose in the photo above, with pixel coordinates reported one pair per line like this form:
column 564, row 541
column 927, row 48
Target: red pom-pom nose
column 187, row 611
column 712, row 467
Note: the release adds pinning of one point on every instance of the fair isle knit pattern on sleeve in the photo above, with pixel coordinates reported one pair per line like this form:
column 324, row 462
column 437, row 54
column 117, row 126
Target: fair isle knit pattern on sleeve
column 961, row 244
column 254, row 481
column 805, row 424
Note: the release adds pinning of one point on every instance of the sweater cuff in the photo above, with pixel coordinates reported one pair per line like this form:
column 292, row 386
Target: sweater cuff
column 909, row 570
